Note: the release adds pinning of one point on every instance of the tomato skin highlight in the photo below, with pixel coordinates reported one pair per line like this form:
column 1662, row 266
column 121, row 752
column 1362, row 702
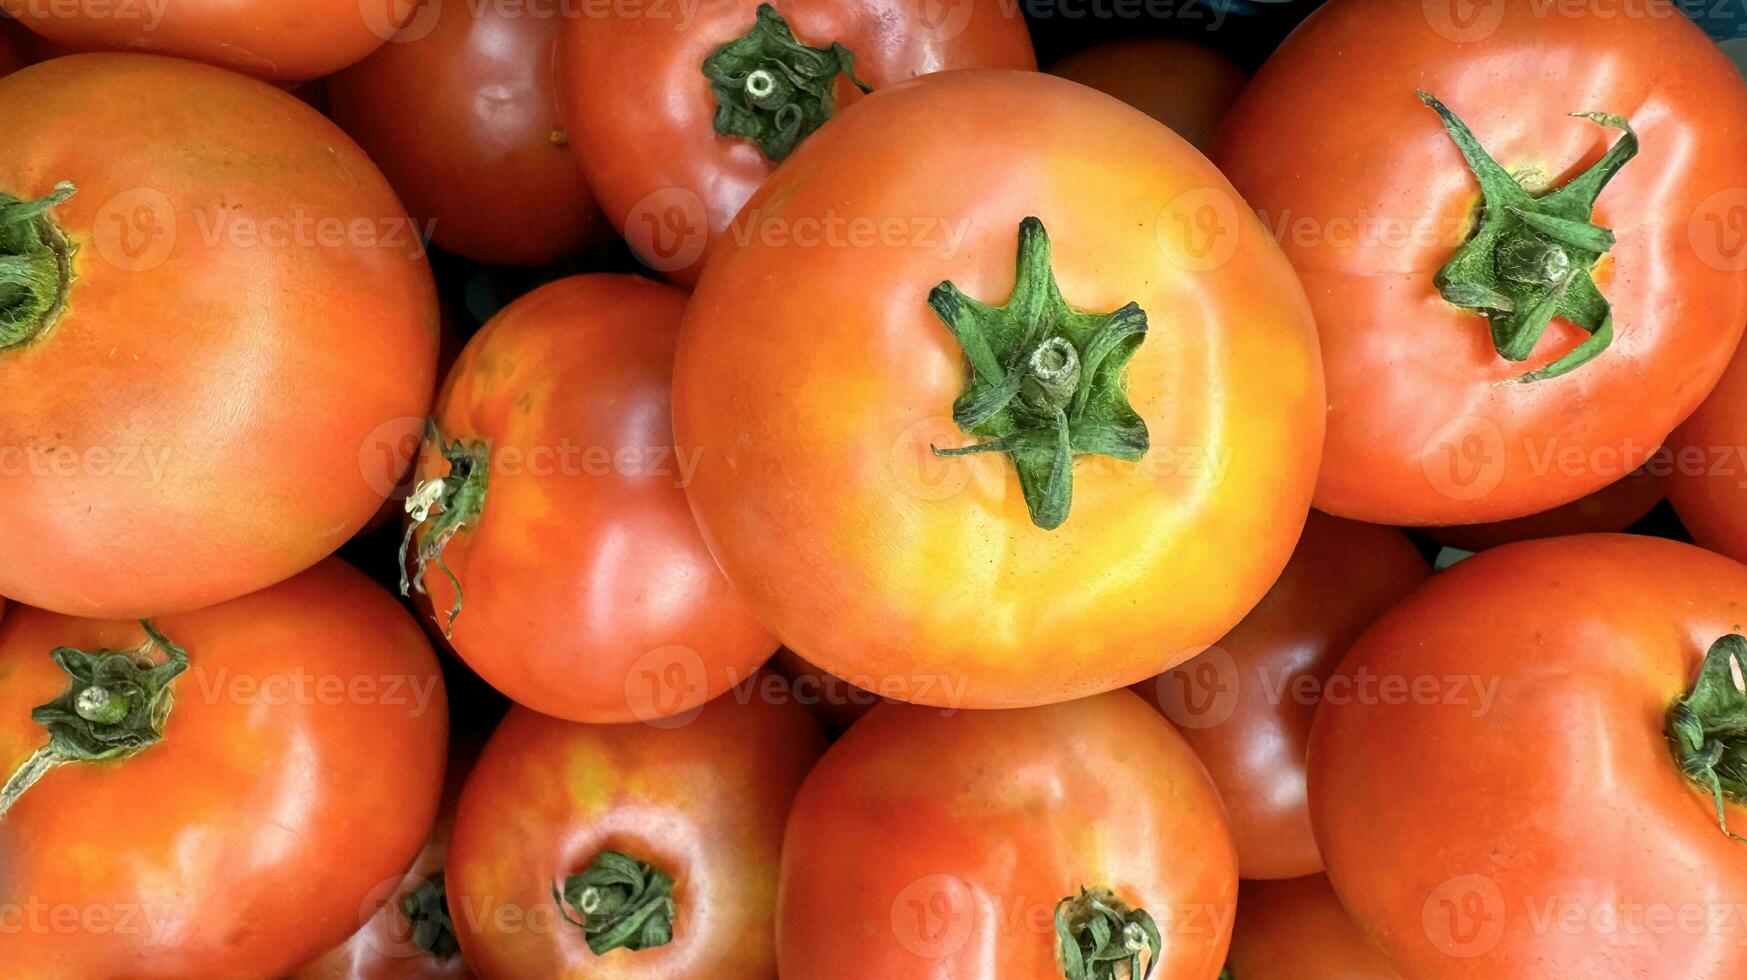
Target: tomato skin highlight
column 201, row 404
column 640, row 112
column 1709, row 485
column 817, row 489
column 1246, row 705
column 932, row 843
column 1520, row 808
column 460, row 113
column 266, row 792
column 703, row 798
column 1370, row 198
column 586, row 590
column 1296, row 929
column 1181, row 84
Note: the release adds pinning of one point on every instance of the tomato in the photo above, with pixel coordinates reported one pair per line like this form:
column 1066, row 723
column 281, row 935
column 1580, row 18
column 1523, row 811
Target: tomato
column 1622, row 309
column 1245, row 705
column 648, row 92
column 934, row 843
column 837, row 702
column 459, row 111
column 1709, row 483
column 688, row 810
column 410, row 936
column 1297, row 930
column 1181, row 84
column 1505, row 794
column 268, row 39
column 1614, row 507
column 580, row 587
column 235, row 815
column 975, row 580
column 221, row 319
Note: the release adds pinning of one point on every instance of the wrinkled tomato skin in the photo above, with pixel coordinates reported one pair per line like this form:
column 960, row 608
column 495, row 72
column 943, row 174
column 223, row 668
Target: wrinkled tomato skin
column 984, row 821
column 1709, row 485
column 1613, row 508
column 817, row 487
column 459, row 112
column 1532, row 818
column 1181, row 84
column 191, row 428
column 640, row 112
column 268, row 39
column 1245, row 705
column 587, row 592
column 300, row 768
column 1297, row 930
column 1370, row 198
column 702, row 798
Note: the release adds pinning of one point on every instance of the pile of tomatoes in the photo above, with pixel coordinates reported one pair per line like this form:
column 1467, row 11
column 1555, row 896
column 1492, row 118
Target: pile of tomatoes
column 737, row 490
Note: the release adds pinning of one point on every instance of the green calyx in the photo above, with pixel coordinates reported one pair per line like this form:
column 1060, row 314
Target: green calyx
column 1046, row 380
column 1096, row 931
column 1708, row 727
column 114, row 707
column 426, row 909
column 771, row 88
column 438, row 508
column 619, row 902
column 1530, row 258
column 36, row 267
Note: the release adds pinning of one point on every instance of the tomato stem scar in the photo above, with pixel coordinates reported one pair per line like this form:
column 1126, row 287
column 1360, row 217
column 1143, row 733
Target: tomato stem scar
column 438, row 508
column 621, row 903
column 35, row 267
column 1095, row 931
column 1707, row 728
column 771, row 88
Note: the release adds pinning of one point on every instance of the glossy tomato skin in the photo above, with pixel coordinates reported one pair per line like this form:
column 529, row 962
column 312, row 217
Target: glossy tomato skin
column 1246, row 704
column 932, row 843
column 281, row 42
column 817, row 488
column 587, row 592
column 299, row 771
column 227, row 349
column 1709, row 483
column 1371, row 198
column 1613, row 508
column 1525, row 803
column 1181, row 84
column 459, row 112
column 640, row 112
column 1297, row 930
column 702, row 797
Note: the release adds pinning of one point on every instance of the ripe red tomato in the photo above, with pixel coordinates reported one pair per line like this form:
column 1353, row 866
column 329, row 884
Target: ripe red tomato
column 459, row 112
column 1245, row 705
column 971, row 844
column 226, row 312
column 270, row 39
column 1297, row 930
column 557, row 504
column 1523, row 787
column 293, row 765
column 1709, row 461
column 1604, row 327
column 660, row 100
column 656, row 843
column 1614, row 507
column 975, row 580
column 1181, row 84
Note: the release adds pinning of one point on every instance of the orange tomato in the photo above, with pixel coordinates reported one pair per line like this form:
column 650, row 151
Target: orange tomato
column 1440, row 413
column 226, row 314
column 1181, row 84
column 817, row 377
column 1709, row 463
column 1614, row 507
column 932, row 844
column 694, row 804
column 581, row 587
column 293, row 766
column 1296, row 930
column 459, row 112
column 645, row 120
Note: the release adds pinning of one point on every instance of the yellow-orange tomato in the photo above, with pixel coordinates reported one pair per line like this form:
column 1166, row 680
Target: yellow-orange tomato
column 818, row 372
column 698, row 800
column 232, row 311
column 1181, row 84
column 1296, row 930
